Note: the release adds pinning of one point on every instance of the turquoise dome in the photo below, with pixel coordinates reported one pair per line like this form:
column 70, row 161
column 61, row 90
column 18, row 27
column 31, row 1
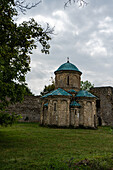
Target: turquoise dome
column 68, row 66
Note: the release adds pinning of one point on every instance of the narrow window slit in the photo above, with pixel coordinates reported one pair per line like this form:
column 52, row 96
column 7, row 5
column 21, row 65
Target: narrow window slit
column 68, row 80
column 54, row 106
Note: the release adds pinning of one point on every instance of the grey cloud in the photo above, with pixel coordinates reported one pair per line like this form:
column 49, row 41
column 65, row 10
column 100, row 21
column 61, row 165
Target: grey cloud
column 80, row 37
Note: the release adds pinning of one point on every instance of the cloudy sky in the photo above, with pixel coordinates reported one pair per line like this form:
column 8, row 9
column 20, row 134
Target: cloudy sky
column 85, row 35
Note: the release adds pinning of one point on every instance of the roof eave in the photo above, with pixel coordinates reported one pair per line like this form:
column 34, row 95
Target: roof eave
column 60, row 71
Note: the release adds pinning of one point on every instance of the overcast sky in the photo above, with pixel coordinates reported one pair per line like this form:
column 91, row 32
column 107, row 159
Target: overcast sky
column 85, row 35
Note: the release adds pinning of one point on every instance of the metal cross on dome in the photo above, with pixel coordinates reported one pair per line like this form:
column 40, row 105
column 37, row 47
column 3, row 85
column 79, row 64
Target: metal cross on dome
column 67, row 59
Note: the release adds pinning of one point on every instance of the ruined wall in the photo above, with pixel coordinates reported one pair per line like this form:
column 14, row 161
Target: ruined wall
column 104, row 104
column 29, row 109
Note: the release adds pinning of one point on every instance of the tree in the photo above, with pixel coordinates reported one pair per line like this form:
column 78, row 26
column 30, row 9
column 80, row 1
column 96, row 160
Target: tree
column 16, row 45
column 20, row 4
column 28, row 91
column 48, row 88
column 86, row 85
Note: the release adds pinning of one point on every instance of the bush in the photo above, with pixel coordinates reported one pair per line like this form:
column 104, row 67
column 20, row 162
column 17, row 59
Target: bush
column 8, row 119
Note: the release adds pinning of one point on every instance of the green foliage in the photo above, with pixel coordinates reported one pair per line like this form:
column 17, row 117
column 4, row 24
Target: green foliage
column 86, row 85
column 28, row 146
column 98, row 164
column 28, row 91
column 8, row 119
column 16, row 45
column 48, row 88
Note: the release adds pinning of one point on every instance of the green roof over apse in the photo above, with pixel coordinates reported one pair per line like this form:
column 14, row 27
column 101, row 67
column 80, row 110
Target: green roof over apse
column 46, row 104
column 58, row 92
column 68, row 66
column 72, row 91
column 74, row 103
column 84, row 93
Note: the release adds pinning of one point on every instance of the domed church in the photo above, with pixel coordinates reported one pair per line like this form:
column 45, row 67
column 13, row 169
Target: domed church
column 67, row 105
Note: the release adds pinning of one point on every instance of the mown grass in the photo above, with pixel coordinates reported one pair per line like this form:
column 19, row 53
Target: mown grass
column 29, row 146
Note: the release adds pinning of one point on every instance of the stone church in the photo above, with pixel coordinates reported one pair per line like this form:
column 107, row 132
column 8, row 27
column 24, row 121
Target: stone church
column 67, row 105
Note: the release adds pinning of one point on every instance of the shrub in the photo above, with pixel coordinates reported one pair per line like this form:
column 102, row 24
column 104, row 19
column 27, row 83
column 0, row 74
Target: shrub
column 8, row 119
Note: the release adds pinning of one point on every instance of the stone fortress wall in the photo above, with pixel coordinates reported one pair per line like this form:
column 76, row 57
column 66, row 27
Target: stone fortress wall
column 30, row 108
column 104, row 104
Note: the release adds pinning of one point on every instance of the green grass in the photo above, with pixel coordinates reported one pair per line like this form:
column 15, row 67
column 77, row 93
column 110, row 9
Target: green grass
column 29, row 146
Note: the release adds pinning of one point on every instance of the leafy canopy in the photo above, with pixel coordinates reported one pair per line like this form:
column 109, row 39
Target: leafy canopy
column 49, row 87
column 16, row 43
column 86, row 85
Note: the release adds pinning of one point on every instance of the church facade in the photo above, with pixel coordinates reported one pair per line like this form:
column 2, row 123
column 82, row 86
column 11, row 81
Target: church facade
column 67, row 105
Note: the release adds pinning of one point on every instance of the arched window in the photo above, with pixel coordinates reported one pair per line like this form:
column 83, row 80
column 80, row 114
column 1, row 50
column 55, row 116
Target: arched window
column 54, row 106
column 75, row 112
column 67, row 80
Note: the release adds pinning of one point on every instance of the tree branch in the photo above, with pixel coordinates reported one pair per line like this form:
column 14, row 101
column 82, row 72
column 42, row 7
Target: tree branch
column 49, row 30
column 81, row 3
column 21, row 4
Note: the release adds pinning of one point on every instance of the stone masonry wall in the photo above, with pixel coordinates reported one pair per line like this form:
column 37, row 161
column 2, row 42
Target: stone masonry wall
column 68, row 80
column 87, row 112
column 74, row 117
column 59, row 115
column 104, row 104
column 29, row 109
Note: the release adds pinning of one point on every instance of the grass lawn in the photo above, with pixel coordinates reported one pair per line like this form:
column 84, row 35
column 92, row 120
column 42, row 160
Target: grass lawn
column 29, row 146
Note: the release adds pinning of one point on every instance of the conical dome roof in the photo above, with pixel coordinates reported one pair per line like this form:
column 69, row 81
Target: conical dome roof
column 68, row 66
column 84, row 93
